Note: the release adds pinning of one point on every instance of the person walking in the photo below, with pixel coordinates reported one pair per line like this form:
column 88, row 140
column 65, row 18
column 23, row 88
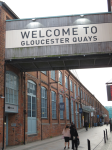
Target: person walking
column 74, row 136
column 66, row 134
column 86, row 125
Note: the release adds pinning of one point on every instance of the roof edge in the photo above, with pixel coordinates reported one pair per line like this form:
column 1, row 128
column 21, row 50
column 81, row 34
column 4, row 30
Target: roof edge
column 60, row 16
column 4, row 5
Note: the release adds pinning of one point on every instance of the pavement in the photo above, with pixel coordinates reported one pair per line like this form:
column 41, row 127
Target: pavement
column 95, row 135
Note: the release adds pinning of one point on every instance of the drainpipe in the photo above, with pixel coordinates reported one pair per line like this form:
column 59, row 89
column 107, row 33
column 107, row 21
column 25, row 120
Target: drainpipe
column 40, row 106
column 24, row 108
column 4, row 104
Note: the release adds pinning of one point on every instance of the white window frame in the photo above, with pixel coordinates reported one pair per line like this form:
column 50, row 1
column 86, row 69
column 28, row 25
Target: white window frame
column 11, row 88
column 31, row 93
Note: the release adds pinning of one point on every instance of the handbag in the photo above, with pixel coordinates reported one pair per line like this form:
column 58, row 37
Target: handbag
column 78, row 141
column 62, row 136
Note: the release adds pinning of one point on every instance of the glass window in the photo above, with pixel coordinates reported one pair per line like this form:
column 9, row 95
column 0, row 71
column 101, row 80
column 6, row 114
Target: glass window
column 72, row 111
column 71, row 85
column 43, row 102
column 80, row 116
column 53, row 96
column 60, row 77
column 84, row 95
column 76, row 115
column 44, row 72
column 67, row 108
column 11, row 88
column 61, row 111
column 81, row 93
column 31, row 92
column 78, row 91
column 53, row 74
column 75, row 91
column 66, row 82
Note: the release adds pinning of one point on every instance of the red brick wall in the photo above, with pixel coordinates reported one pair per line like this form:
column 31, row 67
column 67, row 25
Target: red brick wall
column 3, row 15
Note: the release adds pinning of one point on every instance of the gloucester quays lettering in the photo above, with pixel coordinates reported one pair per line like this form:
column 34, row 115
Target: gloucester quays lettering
column 62, row 35
column 55, row 36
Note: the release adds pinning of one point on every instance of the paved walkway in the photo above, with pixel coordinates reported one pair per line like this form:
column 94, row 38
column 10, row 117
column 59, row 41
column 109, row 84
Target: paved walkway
column 95, row 135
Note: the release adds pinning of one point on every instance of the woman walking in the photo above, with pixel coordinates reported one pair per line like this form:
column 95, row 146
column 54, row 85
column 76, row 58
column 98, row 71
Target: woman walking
column 66, row 134
column 74, row 136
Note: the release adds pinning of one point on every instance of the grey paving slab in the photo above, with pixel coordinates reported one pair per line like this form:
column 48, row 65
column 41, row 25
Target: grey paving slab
column 95, row 135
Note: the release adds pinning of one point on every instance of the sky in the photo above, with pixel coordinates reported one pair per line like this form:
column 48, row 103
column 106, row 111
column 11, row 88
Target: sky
column 93, row 79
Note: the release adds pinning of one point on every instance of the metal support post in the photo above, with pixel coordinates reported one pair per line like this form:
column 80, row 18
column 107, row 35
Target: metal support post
column 104, row 137
column 106, row 134
column 89, row 147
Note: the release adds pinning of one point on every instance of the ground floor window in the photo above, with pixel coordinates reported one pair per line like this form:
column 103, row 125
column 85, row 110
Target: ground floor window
column 61, row 111
column 32, row 125
column 72, row 111
column 76, row 116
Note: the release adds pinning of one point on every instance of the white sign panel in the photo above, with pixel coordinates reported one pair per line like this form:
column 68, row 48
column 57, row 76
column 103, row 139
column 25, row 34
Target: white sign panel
column 11, row 108
column 59, row 35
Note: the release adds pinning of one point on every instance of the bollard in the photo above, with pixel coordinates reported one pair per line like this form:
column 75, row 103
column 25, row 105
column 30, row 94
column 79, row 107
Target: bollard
column 104, row 137
column 89, row 147
column 106, row 134
column 110, row 127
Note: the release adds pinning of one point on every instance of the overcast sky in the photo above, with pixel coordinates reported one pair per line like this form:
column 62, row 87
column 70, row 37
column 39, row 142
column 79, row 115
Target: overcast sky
column 93, row 79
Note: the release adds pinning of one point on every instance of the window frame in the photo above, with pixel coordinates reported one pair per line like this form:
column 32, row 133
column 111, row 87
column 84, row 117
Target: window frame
column 53, row 102
column 60, row 77
column 11, row 87
column 44, row 99
column 53, row 77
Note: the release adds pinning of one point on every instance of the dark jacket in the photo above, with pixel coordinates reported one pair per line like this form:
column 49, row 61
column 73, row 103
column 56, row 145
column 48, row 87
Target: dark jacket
column 73, row 132
column 86, row 124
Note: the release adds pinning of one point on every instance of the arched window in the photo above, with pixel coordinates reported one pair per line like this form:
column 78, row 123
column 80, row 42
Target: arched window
column 43, row 102
column 53, row 96
column 11, row 88
column 31, row 93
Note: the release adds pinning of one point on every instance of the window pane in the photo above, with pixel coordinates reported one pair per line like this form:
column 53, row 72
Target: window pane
column 43, row 102
column 11, row 88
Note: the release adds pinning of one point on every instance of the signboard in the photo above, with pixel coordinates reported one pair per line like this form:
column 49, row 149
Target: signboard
column 80, row 110
column 11, row 108
column 92, row 114
column 62, row 106
column 76, row 34
column 109, row 92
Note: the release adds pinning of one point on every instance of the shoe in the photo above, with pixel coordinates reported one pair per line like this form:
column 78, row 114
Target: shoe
column 65, row 147
column 68, row 147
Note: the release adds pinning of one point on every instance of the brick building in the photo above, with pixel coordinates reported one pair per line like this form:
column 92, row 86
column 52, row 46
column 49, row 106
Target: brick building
column 30, row 110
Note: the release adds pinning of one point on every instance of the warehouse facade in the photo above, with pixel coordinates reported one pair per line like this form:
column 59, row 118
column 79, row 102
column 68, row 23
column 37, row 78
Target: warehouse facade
column 30, row 101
